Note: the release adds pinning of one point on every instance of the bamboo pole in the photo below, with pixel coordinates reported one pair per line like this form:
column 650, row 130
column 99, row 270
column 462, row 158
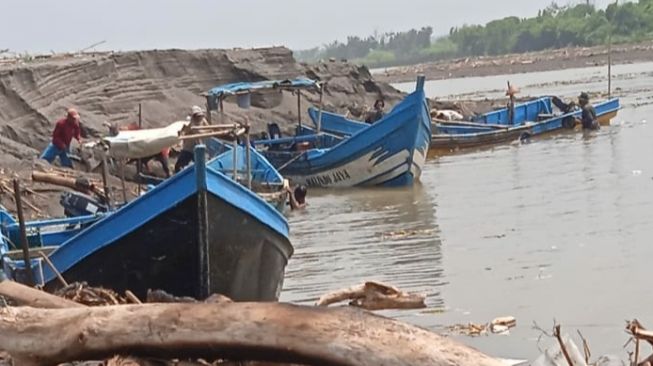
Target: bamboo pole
column 105, row 181
column 319, row 115
column 122, row 181
column 248, row 154
column 203, row 222
column 235, row 159
column 23, row 233
column 215, row 127
column 299, row 107
column 138, row 161
column 53, row 268
column 210, row 134
column 610, row 64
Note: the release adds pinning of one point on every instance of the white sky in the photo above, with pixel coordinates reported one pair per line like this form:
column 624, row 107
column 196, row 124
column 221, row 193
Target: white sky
column 69, row 25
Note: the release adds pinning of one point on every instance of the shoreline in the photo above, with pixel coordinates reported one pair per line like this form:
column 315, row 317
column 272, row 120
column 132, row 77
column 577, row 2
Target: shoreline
column 566, row 58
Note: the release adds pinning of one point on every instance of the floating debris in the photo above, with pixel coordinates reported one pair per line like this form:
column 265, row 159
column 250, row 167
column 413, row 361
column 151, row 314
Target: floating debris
column 374, row 296
column 499, row 325
column 401, row 234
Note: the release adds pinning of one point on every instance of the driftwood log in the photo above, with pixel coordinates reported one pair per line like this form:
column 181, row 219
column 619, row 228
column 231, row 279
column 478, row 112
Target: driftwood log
column 24, row 295
column 374, row 296
column 62, row 180
column 236, row 331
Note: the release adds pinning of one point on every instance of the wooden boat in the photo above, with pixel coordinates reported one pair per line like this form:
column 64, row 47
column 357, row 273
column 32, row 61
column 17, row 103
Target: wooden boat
column 195, row 234
column 391, row 152
column 532, row 118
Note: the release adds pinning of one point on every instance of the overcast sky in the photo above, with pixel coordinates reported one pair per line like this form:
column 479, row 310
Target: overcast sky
column 69, row 25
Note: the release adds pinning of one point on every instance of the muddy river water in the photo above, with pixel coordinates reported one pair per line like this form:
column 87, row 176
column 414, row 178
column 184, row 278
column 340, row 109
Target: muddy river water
column 559, row 228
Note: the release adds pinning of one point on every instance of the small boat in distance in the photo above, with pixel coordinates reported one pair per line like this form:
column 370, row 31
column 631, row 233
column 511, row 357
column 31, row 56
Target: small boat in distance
column 390, row 152
column 529, row 119
column 197, row 233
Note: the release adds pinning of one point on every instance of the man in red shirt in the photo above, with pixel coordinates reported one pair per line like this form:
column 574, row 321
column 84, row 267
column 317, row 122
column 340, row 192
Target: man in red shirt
column 64, row 131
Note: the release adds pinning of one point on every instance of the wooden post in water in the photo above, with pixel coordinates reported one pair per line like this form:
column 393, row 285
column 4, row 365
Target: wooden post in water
column 202, row 222
column 23, row 233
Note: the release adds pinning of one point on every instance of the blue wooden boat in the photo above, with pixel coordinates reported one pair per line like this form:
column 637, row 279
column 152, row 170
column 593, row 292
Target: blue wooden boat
column 532, row 118
column 391, row 152
column 195, row 234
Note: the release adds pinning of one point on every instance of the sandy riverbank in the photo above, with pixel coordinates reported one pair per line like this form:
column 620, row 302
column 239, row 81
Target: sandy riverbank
column 518, row 63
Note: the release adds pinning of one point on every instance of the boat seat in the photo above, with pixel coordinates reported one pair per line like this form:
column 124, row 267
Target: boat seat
column 33, row 252
column 545, row 116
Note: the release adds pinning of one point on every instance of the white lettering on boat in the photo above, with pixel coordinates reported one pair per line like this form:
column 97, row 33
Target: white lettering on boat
column 329, row 178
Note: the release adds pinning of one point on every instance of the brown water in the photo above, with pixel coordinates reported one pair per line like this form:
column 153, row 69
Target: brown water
column 557, row 228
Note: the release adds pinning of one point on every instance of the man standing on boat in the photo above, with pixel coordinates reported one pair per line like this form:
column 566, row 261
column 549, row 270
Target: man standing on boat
column 197, row 119
column 65, row 130
column 588, row 116
column 377, row 113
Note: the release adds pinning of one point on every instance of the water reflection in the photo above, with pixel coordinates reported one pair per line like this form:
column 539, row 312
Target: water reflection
column 346, row 237
column 556, row 228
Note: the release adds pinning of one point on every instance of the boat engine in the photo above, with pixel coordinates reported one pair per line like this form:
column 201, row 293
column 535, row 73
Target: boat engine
column 78, row 204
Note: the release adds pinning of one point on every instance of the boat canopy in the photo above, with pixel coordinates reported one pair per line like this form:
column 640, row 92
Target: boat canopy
column 232, row 89
column 143, row 143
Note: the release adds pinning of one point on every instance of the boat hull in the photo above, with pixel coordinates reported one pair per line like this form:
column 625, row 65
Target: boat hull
column 195, row 234
column 247, row 261
column 491, row 135
column 391, row 152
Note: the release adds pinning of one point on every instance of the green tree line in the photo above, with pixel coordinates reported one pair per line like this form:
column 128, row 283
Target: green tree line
column 553, row 27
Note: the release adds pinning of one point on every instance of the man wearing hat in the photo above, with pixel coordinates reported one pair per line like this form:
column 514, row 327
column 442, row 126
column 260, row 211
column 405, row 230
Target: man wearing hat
column 65, row 130
column 588, row 116
column 186, row 155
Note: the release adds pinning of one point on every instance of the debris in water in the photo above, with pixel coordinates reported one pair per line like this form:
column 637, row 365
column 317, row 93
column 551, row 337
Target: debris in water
column 406, row 234
column 374, row 296
column 499, row 325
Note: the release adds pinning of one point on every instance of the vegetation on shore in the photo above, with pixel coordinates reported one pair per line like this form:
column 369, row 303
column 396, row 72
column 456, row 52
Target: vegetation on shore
column 554, row 27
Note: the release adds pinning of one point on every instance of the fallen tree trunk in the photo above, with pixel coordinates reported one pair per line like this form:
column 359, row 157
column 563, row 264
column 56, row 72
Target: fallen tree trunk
column 27, row 296
column 235, row 331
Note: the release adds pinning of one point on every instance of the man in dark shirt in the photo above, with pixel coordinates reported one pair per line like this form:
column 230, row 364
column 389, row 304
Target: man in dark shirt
column 588, row 115
column 64, row 131
column 377, row 113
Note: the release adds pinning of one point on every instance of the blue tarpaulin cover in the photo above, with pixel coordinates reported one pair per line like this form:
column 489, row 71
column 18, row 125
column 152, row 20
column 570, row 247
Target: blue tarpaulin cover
column 246, row 87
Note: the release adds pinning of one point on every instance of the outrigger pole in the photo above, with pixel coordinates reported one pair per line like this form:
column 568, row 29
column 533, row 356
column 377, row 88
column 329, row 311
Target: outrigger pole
column 319, row 114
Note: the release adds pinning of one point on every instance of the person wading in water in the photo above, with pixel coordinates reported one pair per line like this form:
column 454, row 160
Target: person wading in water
column 588, row 116
column 297, row 198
